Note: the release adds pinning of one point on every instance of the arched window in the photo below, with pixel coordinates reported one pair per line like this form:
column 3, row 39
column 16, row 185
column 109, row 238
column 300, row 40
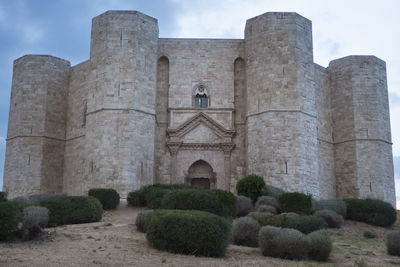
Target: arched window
column 200, row 97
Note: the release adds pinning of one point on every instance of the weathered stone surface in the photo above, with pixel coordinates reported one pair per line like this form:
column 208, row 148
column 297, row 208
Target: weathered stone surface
column 131, row 115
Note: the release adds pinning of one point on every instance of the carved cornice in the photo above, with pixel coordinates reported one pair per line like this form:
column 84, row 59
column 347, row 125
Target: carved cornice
column 225, row 147
column 196, row 120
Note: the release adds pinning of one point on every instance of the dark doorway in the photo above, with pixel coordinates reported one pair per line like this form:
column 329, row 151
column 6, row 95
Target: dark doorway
column 202, row 182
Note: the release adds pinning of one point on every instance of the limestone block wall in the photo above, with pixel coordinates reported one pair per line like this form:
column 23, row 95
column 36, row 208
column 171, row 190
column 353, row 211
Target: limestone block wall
column 326, row 168
column 76, row 161
column 361, row 128
column 36, row 132
column 120, row 129
column 207, row 61
column 281, row 119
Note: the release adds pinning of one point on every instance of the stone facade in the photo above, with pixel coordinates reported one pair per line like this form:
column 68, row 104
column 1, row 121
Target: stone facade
column 145, row 110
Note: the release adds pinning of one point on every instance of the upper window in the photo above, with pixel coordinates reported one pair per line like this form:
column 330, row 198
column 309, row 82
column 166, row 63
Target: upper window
column 200, row 97
column 201, row 101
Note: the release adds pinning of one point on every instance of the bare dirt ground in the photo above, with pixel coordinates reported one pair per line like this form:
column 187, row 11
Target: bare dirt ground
column 115, row 242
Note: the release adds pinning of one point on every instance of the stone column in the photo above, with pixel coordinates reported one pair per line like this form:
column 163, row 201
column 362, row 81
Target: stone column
column 173, row 149
column 227, row 148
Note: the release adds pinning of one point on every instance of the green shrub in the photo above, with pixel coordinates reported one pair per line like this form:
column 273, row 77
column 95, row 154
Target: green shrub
column 371, row 211
column 267, row 208
column 251, row 186
column 179, row 186
column 272, row 191
column 283, row 243
column 266, row 218
column 188, row 232
column 10, row 216
column 245, row 232
column 192, row 199
column 37, row 198
column 369, row 234
column 227, row 199
column 22, row 200
column 332, row 219
column 3, row 196
column 305, row 223
column 295, row 202
column 337, row 205
column 393, row 243
column 136, row 198
column 142, row 219
column 320, row 245
column 154, row 197
column 154, row 194
column 73, row 209
column 244, row 206
column 33, row 220
column 267, row 200
column 109, row 198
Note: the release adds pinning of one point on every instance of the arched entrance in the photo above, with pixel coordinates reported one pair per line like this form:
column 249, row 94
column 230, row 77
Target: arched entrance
column 201, row 174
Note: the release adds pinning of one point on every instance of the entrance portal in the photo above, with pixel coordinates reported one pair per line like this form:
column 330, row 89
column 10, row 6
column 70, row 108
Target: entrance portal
column 201, row 174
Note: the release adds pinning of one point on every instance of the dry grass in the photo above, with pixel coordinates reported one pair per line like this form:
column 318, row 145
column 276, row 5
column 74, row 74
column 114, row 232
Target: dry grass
column 115, row 242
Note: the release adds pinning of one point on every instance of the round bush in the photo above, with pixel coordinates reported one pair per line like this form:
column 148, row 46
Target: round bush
column 154, row 196
column 3, row 196
column 22, row 200
column 272, row 191
column 295, row 202
column 33, row 220
column 267, row 208
column 192, row 199
column 266, row 218
column 10, row 216
column 393, row 243
column 336, row 205
column 320, row 245
column 109, row 198
column 305, row 223
column 36, row 199
column 245, row 232
column 283, row 243
column 136, row 198
column 371, row 211
column 332, row 219
column 73, row 209
column 267, row 200
column 179, row 186
column 188, row 232
column 244, row 206
column 251, row 186
column 142, row 219
column 227, row 199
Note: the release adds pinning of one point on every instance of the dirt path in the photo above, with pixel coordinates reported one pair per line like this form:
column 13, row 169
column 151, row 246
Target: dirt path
column 115, row 242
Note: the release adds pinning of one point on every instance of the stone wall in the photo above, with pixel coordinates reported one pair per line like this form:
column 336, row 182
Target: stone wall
column 361, row 128
column 326, row 168
column 36, row 132
column 281, row 119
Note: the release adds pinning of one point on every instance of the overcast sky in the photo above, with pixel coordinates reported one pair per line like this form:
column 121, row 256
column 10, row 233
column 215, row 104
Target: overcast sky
column 340, row 28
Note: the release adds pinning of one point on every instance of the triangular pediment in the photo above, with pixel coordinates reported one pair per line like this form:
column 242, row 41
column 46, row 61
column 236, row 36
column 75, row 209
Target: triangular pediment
column 201, row 134
column 201, row 123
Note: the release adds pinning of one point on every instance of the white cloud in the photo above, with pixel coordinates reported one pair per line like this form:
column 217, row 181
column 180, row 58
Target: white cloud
column 2, row 140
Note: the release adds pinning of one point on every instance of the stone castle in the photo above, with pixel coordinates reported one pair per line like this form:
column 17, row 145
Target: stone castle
column 145, row 109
